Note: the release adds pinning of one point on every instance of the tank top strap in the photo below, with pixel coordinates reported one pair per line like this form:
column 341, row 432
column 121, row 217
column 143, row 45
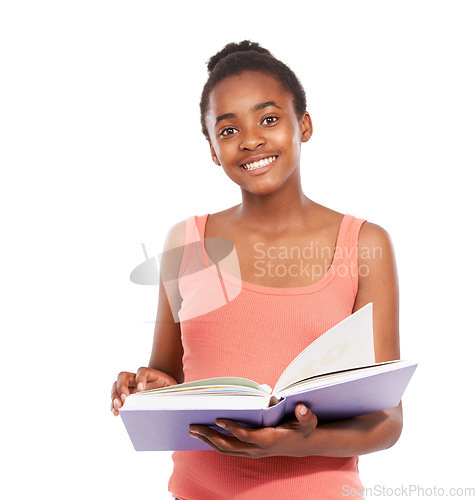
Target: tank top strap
column 201, row 221
column 191, row 243
column 347, row 248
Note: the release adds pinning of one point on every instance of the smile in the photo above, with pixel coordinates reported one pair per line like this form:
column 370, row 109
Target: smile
column 259, row 164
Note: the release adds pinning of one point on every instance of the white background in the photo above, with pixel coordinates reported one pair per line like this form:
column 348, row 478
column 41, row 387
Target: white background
column 101, row 151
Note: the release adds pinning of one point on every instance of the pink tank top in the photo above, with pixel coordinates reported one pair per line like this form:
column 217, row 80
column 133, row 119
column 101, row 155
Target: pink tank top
column 234, row 328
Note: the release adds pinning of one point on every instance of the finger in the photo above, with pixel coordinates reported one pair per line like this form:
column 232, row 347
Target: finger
column 148, row 378
column 306, row 418
column 143, row 376
column 212, row 445
column 218, row 438
column 115, row 400
column 228, row 445
column 125, row 384
column 242, row 433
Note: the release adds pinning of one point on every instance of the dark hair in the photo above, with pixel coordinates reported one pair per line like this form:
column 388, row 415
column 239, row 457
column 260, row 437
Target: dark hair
column 235, row 58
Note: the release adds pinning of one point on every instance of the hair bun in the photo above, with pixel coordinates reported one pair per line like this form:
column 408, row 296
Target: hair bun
column 233, row 48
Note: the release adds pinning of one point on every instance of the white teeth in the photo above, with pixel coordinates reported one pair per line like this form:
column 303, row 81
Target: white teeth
column 260, row 163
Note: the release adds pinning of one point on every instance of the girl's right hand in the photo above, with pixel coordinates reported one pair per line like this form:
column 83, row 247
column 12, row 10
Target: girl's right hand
column 129, row 383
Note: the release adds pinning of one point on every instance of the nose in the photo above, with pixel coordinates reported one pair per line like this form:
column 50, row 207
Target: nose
column 251, row 139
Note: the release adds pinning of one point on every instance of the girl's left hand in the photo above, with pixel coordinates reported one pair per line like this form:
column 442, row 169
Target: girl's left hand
column 288, row 439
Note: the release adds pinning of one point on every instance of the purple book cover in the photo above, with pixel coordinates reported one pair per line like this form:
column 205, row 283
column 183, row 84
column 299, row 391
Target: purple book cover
column 166, row 430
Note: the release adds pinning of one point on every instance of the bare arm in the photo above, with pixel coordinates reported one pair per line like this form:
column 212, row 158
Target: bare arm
column 165, row 365
column 378, row 283
column 167, row 349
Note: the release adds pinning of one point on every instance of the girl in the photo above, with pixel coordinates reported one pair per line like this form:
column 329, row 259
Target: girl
column 252, row 319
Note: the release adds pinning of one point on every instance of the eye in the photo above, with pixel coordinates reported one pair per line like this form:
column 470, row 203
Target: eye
column 228, row 131
column 269, row 120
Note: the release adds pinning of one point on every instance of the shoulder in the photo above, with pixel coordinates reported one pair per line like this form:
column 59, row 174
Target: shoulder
column 372, row 235
column 375, row 250
column 173, row 250
column 176, row 235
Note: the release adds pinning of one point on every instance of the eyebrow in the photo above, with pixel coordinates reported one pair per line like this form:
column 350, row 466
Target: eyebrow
column 254, row 108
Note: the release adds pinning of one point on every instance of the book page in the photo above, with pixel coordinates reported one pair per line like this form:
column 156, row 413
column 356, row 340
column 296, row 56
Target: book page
column 349, row 344
column 213, row 383
column 338, row 377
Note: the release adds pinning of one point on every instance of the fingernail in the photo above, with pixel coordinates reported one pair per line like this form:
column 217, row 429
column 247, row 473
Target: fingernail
column 116, row 403
column 140, row 386
column 193, row 434
column 123, row 397
column 221, row 424
column 303, row 410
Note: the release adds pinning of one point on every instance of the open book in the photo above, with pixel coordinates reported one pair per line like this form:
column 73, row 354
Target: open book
column 336, row 377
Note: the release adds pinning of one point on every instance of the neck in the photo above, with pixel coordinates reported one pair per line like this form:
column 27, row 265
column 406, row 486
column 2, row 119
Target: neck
column 276, row 211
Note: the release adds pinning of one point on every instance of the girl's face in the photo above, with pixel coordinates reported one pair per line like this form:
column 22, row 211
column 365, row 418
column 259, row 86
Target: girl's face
column 251, row 121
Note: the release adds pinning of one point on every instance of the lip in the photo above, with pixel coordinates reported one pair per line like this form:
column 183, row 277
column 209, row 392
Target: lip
column 260, row 170
column 252, row 159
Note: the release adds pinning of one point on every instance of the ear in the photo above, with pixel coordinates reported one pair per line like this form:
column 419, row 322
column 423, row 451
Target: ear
column 306, row 127
column 214, row 155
